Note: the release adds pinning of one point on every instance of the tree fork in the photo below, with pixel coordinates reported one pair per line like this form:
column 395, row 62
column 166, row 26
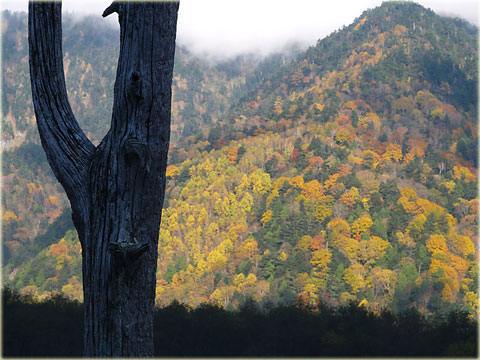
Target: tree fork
column 116, row 190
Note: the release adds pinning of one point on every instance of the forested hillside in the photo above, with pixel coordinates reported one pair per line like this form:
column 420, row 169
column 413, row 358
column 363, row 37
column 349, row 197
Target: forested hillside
column 33, row 200
column 346, row 174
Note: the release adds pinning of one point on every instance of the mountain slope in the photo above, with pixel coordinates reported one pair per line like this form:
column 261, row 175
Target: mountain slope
column 32, row 199
column 90, row 59
column 347, row 175
column 351, row 156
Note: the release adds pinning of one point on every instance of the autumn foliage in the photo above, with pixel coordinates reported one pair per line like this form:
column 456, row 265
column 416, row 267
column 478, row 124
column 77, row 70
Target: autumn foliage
column 350, row 174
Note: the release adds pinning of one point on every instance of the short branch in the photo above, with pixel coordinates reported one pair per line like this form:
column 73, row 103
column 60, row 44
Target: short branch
column 111, row 9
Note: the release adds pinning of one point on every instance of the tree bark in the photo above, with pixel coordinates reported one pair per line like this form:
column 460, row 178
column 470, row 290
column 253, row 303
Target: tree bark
column 116, row 190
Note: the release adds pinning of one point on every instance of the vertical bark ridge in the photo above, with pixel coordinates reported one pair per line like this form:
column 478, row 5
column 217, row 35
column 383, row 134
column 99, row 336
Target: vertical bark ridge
column 67, row 148
column 134, row 191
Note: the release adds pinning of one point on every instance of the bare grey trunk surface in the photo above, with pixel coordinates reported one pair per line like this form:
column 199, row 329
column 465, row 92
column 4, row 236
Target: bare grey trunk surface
column 116, row 189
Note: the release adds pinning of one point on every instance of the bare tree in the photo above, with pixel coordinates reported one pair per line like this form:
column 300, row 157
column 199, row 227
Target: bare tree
column 116, row 189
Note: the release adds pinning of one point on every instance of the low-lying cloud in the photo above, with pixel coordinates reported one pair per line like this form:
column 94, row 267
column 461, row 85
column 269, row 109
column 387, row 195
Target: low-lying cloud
column 220, row 29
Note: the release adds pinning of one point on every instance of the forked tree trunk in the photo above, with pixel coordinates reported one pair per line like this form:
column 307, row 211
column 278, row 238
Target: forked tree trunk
column 116, row 189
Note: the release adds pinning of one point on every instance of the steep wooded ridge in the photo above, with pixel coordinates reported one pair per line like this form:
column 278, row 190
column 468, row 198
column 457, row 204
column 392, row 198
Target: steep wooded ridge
column 346, row 174
column 90, row 51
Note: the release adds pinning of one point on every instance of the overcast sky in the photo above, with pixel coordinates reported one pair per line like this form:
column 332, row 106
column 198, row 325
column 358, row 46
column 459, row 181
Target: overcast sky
column 230, row 27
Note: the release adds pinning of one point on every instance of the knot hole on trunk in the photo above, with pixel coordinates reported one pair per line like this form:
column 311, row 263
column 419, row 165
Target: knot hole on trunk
column 135, row 87
column 136, row 152
column 135, row 76
column 126, row 253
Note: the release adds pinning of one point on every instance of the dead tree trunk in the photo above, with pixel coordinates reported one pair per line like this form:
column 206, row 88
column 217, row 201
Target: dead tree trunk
column 116, row 190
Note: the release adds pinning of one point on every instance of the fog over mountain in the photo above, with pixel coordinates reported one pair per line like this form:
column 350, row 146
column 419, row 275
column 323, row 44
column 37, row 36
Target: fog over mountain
column 219, row 29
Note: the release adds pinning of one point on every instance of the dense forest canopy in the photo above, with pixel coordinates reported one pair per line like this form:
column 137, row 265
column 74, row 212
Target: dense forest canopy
column 250, row 331
column 344, row 172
